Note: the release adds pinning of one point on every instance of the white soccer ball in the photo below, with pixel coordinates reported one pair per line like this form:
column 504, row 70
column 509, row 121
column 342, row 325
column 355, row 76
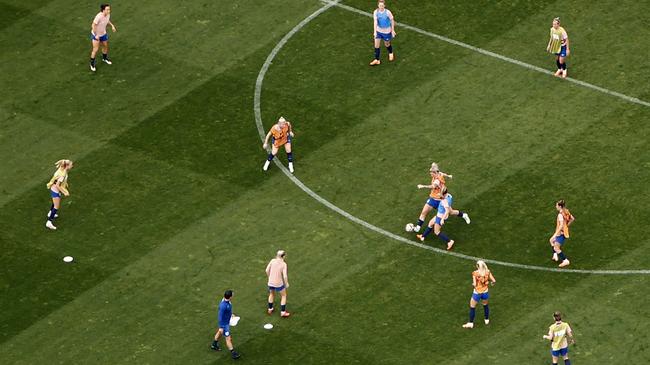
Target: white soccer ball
column 409, row 227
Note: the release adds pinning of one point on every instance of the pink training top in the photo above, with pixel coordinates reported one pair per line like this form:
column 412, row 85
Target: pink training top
column 276, row 270
column 101, row 22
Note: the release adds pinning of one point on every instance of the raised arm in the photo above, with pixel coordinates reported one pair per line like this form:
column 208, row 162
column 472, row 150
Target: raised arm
column 549, row 336
column 435, row 183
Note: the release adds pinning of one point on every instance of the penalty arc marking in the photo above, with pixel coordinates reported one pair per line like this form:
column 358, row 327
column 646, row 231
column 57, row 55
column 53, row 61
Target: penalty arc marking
column 260, row 128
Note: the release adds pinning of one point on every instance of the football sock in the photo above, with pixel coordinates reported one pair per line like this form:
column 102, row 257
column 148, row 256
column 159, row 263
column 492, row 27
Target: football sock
column 559, row 65
column 427, row 231
column 567, row 362
column 460, row 213
column 561, row 256
column 290, row 156
column 270, row 157
column 52, row 214
column 390, row 48
column 486, row 311
column 283, row 307
column 376, row 53
column 443, row 237
column 105, row 56
column 92, row 61
column 472, row 314
column 270, row 305
column 420, row 222
column 215, row 343
column 564, row 66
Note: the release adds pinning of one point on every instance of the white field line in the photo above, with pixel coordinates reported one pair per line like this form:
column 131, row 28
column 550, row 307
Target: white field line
column 496, row 55
column 260, row 128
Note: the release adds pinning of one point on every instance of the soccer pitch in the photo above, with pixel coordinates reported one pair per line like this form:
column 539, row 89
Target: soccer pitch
column 169, row 205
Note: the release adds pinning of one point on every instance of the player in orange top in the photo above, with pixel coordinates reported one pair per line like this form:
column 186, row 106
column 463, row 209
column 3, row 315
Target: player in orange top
column 480, row 280
column 433, row 202
column 564, row 219
column 282, row 134
column 437, row 183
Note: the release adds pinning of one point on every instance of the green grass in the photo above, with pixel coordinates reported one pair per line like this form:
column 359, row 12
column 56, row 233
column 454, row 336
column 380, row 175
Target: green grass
column 170, row 207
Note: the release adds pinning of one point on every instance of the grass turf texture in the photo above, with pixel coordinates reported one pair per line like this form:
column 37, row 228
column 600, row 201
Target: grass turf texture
column 170, row 206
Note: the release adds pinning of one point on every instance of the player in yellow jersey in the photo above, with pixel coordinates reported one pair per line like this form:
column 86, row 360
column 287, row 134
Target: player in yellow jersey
column 564, row 219
column 58, row 185
column 560, row 335
column 559, row 46
column 481, row 277
column 281, row 134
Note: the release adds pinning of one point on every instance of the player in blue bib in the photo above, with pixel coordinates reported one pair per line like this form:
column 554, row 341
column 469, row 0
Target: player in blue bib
column 383, row 29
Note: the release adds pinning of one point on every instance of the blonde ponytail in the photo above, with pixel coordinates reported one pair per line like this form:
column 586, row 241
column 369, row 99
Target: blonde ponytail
column 61, row 164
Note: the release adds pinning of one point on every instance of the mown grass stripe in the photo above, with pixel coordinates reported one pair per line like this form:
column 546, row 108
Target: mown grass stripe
column 498, row 56
column 260, row 128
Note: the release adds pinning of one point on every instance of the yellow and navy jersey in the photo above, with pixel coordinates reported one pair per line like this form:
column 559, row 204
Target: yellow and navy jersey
column 437, row 187
column 559, row 331
column 563, row 219
column 60, row 177
column 558, row 39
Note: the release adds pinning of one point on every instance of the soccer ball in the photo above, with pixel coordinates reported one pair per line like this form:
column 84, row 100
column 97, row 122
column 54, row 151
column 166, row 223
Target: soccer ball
column 409, row 227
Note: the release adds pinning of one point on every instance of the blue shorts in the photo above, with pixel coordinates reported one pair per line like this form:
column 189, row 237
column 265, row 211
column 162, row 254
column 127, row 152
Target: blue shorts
column 562, row 52
column 54, row 194
column 439, row 220
column 226, row 329
column 103, row 38
column 433, row 203
column 560, row 239
column 276, row 288
column 560, row 352
column 385, row 36
column 288, row 140
column 482, row 296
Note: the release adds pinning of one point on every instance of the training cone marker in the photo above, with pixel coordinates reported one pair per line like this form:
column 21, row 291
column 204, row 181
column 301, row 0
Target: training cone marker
column 268, row 326
column 68, row 259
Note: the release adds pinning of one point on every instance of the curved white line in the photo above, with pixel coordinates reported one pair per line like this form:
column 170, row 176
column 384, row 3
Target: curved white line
column 295, row 180
column 496, row 55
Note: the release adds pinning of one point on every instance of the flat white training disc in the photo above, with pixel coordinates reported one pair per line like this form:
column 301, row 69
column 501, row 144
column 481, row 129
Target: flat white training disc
column 68, row 259
column 268, row 326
